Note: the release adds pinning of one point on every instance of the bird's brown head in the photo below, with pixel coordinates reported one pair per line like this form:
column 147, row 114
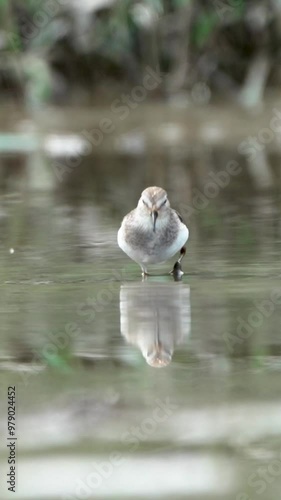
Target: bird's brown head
column 158, row 356
column 154, row 202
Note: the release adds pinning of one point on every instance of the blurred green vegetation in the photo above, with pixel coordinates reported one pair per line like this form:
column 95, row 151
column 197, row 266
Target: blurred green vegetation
column 86, row 45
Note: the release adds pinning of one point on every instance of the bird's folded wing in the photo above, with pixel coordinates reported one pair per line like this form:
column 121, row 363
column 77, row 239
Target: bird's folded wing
column 179, row 216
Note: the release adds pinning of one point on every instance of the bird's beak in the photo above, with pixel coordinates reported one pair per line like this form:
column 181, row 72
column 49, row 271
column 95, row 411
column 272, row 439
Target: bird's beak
column 154, row 215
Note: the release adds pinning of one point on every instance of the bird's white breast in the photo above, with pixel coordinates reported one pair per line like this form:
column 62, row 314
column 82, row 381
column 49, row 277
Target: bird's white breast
column 146, row 255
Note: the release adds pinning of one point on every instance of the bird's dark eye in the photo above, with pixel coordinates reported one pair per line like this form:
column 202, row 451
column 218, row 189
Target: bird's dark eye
column 144, row 203
column 165, row 201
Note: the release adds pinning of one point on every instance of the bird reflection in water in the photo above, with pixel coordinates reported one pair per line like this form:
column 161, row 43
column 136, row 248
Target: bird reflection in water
column 155, row 317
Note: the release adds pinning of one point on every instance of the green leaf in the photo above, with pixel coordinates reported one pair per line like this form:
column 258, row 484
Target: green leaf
column 57, row 361
column 203, row 28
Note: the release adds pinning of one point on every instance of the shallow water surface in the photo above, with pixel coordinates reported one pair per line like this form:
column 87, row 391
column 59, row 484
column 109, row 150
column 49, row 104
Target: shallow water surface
column 132, row 389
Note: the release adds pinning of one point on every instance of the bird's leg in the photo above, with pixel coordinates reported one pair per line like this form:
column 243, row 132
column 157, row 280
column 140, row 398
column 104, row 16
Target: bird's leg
column 144, row 272
column 182, row 254
column 177, row 266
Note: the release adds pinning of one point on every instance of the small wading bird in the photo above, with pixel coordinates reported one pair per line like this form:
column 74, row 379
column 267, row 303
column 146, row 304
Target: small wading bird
column 153, row 232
